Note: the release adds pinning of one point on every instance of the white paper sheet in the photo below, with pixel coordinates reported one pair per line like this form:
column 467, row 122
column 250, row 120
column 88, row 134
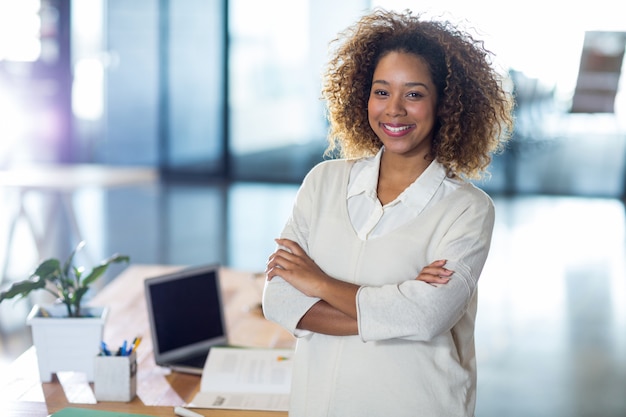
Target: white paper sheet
column 245, row 379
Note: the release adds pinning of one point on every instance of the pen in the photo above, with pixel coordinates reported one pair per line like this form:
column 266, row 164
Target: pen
column 130, row 348
column 136, row 343
column 104, row 349
column 183, row 412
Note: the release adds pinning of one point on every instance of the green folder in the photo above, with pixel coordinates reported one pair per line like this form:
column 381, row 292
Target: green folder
column 85, row 412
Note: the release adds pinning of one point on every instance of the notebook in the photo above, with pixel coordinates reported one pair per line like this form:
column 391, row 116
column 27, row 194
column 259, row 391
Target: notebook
column 186, row 317
column 85, row 412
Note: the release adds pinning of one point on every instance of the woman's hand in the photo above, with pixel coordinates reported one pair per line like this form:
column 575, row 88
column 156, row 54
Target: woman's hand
column 292, row 264
column 296, row 267
column 435, row 273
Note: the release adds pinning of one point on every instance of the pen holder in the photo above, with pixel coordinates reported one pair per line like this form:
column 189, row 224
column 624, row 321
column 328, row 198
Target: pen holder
column 115, row 377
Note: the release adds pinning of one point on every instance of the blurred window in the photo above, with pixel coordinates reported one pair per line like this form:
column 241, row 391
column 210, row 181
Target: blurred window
column 278, row 49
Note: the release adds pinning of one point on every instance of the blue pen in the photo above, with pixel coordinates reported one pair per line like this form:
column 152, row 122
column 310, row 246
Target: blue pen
column 105, row 350
column 123, row 349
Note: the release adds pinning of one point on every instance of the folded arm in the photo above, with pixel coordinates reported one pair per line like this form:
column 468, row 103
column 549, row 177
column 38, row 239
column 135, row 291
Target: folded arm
column 336, row 311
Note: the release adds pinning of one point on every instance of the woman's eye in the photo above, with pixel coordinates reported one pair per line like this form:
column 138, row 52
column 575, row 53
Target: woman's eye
column 415, row 94
column 380, row 93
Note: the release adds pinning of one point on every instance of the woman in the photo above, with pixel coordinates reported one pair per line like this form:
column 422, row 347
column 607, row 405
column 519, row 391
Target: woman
column 376, row 270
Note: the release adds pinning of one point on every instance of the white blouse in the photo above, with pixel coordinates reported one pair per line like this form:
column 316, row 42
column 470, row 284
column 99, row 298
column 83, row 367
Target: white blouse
column 414, row 354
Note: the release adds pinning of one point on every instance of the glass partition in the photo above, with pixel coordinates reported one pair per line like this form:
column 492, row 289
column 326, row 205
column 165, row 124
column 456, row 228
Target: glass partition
column 194, row 88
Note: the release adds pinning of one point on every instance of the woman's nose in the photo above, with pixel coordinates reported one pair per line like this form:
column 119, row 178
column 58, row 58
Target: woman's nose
column 395, row 107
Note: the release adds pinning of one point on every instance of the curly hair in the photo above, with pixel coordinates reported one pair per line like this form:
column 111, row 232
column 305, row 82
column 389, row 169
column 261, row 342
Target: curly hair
column 474, row 114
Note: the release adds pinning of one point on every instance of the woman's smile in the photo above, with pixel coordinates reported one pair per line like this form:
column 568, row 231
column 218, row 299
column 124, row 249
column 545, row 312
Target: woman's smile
column 397, row 129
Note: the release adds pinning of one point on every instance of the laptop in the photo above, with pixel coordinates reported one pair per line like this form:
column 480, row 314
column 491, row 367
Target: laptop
column 186, row 317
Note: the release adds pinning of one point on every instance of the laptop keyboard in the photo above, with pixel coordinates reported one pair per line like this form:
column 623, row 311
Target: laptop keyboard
column 197, row 361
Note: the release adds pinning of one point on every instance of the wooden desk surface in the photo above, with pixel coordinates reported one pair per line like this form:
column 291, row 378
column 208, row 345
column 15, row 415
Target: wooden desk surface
column 158, row 389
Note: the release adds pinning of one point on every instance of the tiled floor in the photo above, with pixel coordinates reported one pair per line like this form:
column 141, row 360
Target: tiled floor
column 551, row 329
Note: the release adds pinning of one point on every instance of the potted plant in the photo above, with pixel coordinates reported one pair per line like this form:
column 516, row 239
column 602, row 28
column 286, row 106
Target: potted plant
column 66, row 334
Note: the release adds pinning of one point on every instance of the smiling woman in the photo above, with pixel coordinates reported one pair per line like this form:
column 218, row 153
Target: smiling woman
column 376, row 269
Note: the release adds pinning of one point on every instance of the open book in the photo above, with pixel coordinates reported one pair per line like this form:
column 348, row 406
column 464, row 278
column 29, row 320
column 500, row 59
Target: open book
column 245, row 379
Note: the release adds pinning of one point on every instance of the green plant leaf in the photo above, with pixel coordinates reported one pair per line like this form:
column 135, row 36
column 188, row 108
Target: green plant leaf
column 69, row 284
column 22, row 288
column 66, row 283
column 116, row 258
column 97, row 271
column 48, row 270
column 77, row 299
column 78, row 271
column 68, row 262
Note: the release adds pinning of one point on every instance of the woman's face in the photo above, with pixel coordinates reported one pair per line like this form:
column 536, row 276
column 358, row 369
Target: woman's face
column 403, row 103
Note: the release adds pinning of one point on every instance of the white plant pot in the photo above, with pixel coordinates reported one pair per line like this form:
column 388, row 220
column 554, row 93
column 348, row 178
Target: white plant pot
column 66, row 343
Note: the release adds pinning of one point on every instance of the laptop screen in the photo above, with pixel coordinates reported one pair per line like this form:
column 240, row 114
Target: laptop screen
column 185, row 311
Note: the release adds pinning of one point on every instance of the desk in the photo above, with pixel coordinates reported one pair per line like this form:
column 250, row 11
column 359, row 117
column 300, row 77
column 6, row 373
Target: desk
column 158, row 389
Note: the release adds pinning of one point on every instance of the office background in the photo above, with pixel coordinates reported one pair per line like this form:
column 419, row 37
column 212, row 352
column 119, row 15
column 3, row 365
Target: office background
column 220, row 99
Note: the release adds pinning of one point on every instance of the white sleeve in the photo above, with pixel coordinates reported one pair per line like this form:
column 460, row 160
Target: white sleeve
column 416, row 310
column 282, row 303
